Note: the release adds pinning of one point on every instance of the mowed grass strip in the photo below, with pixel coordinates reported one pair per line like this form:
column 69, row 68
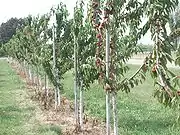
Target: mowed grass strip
column 17, row 111
column 139, row 113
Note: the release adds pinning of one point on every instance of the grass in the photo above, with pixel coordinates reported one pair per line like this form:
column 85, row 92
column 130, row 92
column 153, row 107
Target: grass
column 139, row 113
column 17, row 111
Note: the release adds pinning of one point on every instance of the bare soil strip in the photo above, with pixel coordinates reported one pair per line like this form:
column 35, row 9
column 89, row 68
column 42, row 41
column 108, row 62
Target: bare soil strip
column 63, row 116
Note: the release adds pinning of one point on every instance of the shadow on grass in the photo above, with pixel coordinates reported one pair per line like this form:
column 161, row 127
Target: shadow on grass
column 9, row 109
column 149, row 125
column 9, row 115
column 50, row 128
column 2, row 74
column 2, row 81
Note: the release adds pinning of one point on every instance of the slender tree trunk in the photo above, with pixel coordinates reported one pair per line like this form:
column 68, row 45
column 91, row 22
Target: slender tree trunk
column 115, row 114
column 24, row 68
column 46, row 85
column 8, row 59
column 20, row 67
column 58, row 89
column 54, row 67
column 27, row 71
column 40, row 82
column 37, row 79
column 75, row 82
column 81, row 104
column 34, row 79
column 107, row 76
column 107, row 113
column 45, row 91
column 30, row 74
column 58, row 96
column 55, row 94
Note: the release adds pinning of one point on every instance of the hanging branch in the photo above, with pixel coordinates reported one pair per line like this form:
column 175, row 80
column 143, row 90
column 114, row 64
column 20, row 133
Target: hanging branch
column 158, row 43
column 158, row 17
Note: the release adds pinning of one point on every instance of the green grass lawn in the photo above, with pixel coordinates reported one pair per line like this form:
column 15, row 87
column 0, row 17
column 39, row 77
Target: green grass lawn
column 17, row 111
column 139, row 112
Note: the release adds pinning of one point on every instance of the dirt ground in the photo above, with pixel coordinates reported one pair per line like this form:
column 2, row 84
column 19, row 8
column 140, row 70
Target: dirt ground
column 64, row 115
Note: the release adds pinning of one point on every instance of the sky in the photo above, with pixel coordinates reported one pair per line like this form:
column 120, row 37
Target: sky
column 22, row 8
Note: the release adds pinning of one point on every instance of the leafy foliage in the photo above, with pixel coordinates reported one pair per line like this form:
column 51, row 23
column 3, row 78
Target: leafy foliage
column 8, row 29
column 85, row 45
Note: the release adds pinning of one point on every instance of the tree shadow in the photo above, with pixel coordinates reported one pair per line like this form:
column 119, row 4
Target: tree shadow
column 10, row 114
column 2, row 81
column 50, row 128
column 10, row 109
column 2, row 74
column 149, row 125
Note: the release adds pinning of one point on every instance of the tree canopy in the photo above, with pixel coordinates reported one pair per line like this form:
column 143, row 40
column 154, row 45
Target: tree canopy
column 8, row 29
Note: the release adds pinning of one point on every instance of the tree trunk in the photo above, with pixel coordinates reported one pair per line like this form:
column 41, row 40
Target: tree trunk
column 46, row 85
column 81, row 104
column 58, row 89
column 107, row 76
column 45, row 91
column 37, row 77
column 115, row 114
column 40, row 82
column 107, row 113
column 54, row 68
column 25, row 73
column 58, row 96
column 55, row 94
column 30, row 74
column 34, row 79
column 75, row 83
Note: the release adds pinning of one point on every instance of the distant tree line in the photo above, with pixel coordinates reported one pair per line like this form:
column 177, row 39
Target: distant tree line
column 145, row 48
column 7, row 30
